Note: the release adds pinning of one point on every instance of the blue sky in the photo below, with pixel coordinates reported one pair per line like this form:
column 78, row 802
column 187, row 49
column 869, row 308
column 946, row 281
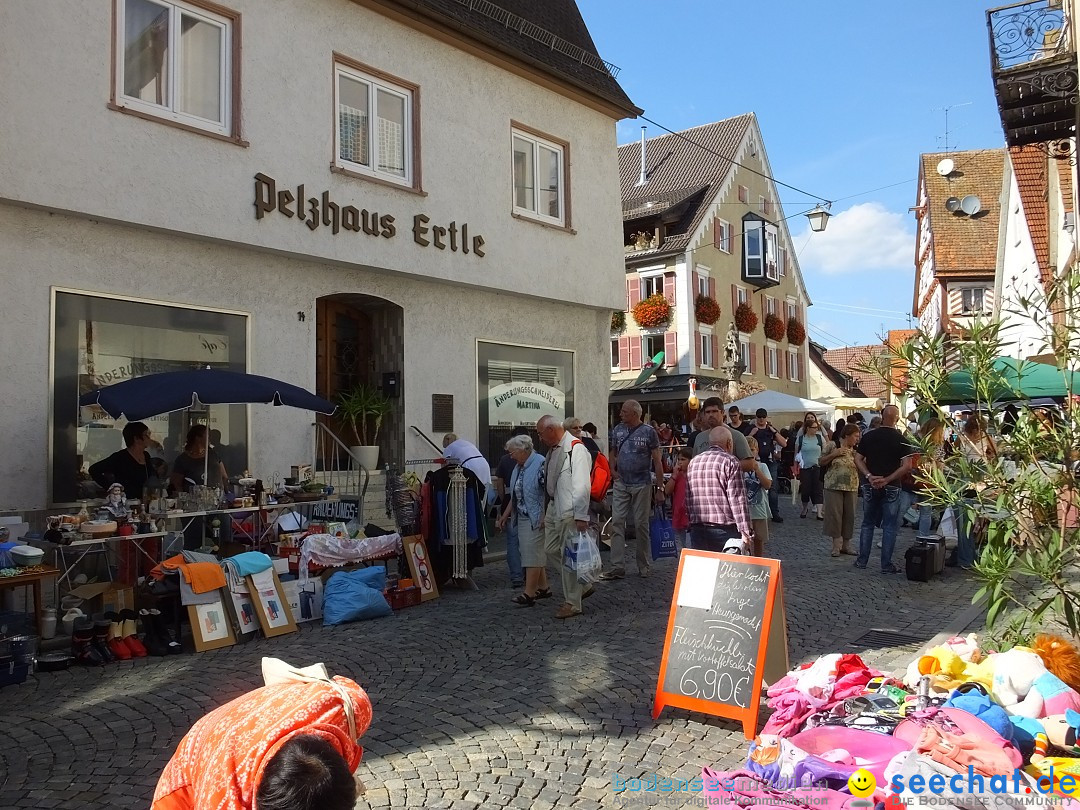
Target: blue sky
column 848, row 94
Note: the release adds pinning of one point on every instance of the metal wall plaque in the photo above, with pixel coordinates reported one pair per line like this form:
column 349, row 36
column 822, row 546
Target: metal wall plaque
column 442, row 413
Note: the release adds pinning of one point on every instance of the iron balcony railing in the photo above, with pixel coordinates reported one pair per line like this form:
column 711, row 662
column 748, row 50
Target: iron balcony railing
column 1023, row 33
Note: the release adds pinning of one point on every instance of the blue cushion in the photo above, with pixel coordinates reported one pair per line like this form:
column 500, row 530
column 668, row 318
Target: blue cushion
column 353, row 595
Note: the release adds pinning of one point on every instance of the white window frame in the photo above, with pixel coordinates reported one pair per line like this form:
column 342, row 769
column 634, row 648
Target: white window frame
column 781, row 260
column 771, row 241
column 703, row 280
column 772, row 364
column 744, row 195
column 616, row 355
column 707, row 360
column 791, row 309
column 169, row 111
column 745, row 355
column 972, row 310
column 725, row 240
column 750, row 225
column 793, row 365
column 375, row 84
column 770, row 305
column 742, row 295
column 646, row 355
column 538, row 141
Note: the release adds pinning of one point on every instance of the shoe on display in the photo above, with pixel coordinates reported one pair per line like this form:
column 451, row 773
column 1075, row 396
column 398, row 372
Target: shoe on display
column 152, row 641
column 172, row 646
column 129, row 634
column 82, row 644
column 101, row 640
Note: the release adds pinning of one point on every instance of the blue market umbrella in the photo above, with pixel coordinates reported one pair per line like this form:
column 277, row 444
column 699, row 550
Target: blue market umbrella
column 154, row 394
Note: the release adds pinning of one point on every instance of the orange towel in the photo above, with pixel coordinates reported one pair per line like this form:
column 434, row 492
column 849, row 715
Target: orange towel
column 219, row 763
column 203, row 577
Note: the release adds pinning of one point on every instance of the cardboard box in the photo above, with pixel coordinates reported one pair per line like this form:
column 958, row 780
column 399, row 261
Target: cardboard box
column 306, row 605
column 105, row 597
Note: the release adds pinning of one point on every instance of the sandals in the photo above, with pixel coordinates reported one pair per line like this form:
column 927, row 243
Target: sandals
column 543, row 594
column 524, row 600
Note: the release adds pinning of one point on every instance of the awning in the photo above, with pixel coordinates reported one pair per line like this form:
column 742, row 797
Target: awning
column 664, row 387
column 855, row 403
column 1013, row 380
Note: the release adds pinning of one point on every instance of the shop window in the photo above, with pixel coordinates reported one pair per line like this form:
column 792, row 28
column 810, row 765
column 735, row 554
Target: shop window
column 178, row 62
column 539, row 166
column 98, row 341
column 386, row 150
column 516, row 386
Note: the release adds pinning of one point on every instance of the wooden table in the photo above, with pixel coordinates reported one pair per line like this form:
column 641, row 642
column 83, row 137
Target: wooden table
column 34, row 580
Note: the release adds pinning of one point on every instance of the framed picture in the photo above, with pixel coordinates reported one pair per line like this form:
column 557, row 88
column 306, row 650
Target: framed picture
column 271, row 608
column 210, row 624
column 244, row 617
column 305, row 600
column 420, row 566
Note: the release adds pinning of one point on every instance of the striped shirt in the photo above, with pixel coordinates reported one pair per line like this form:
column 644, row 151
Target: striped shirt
column 715, row 492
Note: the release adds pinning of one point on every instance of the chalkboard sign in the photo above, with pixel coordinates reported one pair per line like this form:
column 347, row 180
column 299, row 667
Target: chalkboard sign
column 726, row 632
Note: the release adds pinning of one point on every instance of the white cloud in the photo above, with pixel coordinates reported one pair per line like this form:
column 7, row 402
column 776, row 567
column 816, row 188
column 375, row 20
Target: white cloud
column 865, row 237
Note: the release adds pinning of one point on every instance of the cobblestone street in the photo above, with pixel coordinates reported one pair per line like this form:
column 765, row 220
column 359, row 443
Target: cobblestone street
column 478, row 703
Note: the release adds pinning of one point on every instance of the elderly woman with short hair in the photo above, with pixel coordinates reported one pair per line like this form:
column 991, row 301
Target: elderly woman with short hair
column 526, row 509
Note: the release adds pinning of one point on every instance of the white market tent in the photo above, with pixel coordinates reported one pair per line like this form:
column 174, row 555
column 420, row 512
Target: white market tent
column 855, row 403
column 782, row 407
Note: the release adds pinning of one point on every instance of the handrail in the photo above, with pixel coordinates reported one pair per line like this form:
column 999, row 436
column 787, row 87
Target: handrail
column 424, row 436
column 1026, row 32
column 341, row 448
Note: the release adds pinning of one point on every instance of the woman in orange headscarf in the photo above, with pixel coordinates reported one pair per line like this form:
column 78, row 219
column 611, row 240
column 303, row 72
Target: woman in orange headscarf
column 291, row 744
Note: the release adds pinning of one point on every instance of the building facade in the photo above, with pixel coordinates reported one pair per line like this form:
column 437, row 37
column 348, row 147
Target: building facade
column 414, row 196
column 703, row 229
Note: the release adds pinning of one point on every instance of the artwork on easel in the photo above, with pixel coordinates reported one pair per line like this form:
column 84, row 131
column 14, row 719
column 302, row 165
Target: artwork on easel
column 420, row 566
column 210, row 625
column 271, row 607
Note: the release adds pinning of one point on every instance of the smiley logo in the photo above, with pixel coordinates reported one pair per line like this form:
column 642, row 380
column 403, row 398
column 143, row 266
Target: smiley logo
column 862, row 783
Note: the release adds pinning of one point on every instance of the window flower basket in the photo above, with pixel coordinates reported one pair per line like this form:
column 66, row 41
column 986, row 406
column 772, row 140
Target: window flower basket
column 745, row 319
column 618, row 320
column 796, row 332
column 774, row 327
column 706, row 310
column 653, row 311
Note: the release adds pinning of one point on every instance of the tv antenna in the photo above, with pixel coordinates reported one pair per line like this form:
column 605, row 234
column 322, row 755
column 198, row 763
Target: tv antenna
column 946, row 109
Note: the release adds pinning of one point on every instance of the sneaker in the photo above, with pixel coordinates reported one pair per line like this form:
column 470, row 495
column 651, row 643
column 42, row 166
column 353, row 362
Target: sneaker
column 777, row 519
column 859, row 565
column 614, row 573
column 517, row 584
column 890, row 569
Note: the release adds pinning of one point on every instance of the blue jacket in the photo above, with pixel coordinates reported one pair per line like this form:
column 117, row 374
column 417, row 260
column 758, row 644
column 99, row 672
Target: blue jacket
column 534, row 493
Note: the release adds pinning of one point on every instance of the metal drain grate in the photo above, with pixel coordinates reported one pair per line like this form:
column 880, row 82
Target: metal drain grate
column 878, row 639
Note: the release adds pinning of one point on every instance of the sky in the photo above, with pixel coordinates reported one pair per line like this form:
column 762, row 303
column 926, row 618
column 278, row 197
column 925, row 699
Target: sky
column 848, row 94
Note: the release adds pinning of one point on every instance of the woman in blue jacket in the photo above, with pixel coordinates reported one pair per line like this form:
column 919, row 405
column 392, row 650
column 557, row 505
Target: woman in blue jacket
column 526, row 509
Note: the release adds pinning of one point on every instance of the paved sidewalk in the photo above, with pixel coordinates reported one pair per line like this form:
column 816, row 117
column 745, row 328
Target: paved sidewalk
column 478, row 703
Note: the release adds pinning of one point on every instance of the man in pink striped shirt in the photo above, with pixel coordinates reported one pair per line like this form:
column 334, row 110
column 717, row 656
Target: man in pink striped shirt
column 716, row 496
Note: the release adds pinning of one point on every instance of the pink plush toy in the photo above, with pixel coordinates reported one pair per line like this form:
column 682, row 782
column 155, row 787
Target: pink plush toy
column 1024, row 686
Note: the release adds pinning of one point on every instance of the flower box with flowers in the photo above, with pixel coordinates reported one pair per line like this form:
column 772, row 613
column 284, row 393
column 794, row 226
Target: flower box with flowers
column 774, row 327
column 746, row 319
column 796, row 332
column 653, row 311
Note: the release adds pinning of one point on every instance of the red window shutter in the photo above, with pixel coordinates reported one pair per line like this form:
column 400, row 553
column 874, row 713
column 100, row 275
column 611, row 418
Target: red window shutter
column 753, row 358
column 696, row 278
column 635, row 352
column 734, row 299
column 633, row 292
column 669, row 288
column 717, row 234
column 624, row 354
column 712, row 288
column 697, row 349
column 715, row 351
column 671, row 349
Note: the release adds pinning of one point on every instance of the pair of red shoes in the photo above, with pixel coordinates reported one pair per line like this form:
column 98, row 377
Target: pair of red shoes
column 123, row 641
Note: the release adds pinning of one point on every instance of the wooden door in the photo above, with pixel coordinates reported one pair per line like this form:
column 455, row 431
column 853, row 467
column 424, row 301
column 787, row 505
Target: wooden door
column 342, row 344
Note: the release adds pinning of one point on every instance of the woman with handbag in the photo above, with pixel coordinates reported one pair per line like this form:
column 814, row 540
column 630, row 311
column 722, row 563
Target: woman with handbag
column 841, row 490
column 526, row 509
column 809, row 445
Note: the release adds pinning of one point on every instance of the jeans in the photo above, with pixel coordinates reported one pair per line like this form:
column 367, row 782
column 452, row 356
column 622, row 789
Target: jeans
column 513, row 552
column 965, row 540
column 710, row 537
column 879, row 505
column 774, row 490
column 926, row 515
column 906, row 501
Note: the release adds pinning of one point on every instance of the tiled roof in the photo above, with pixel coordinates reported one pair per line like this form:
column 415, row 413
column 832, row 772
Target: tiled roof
column 677, row 168
column 832, row 374
column 964, row 245
column 849, row 361
column 1030, row 168
column 490, row 24
column 1065, row 175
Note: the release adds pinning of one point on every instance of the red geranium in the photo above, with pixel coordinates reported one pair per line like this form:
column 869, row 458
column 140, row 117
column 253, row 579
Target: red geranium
column 653, row 311
column 796, row 334
column 745, row 318
column 774, row 327
column 706, row 310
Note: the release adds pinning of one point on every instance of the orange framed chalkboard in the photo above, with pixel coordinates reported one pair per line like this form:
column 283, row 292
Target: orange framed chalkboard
column 726, row 633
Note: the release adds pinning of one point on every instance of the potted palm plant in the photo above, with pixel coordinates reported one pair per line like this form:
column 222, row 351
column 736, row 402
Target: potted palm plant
column 363, row 408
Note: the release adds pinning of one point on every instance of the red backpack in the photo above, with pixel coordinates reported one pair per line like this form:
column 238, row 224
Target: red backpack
column 600, row 475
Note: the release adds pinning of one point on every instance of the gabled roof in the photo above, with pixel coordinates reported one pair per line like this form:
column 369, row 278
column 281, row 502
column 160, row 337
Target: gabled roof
column 964, row 245
column 550, row 36
column 850, row 359
column 1030, row 169
column 838, row 378
column 676, row 168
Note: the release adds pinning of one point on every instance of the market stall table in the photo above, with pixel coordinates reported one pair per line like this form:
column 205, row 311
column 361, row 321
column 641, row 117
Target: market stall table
column 32, row 578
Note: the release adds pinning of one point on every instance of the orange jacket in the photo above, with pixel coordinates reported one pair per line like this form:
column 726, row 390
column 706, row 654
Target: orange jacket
column 219, row 763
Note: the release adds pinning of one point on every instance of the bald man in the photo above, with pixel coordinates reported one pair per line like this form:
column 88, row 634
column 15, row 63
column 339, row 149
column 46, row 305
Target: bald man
column 884, row 457
column 716, row 496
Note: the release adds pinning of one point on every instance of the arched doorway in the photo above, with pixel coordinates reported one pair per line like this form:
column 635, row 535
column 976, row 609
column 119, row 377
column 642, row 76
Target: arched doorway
column 360, row 340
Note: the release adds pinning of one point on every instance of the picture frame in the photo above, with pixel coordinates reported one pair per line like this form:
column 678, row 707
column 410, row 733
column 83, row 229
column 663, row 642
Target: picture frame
column 243, row 608
column 416, row 554
column 211, row 625
column 305, row 600
column 271, row 607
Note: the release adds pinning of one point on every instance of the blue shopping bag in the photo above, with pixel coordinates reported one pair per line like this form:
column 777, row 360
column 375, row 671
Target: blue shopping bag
column 662, row 535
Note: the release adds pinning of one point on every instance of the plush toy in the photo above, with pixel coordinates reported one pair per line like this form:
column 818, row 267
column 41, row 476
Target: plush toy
column 1063, row 731
column 973, row 699
column 1060, row 656
column 1054, row 767
column 1025, row 730
column 1023, row 685
column 948, row 669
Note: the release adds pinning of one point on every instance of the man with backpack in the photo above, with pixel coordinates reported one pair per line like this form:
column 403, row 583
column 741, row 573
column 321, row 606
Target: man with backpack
column 639, row 484
column 769, row 443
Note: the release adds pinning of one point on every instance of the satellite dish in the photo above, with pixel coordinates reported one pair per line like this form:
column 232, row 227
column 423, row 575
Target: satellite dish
column 952, row 205
column 971, row 205
column 945, row 167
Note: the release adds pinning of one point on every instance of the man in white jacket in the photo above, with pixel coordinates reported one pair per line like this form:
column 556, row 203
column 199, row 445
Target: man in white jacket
column 567, row 476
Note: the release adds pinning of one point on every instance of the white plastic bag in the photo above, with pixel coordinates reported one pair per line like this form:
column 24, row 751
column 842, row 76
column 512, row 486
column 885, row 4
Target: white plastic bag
column 947, row 526
column 582, row 555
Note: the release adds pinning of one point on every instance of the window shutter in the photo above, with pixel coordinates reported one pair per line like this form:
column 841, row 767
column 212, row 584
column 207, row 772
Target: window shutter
column 697, row 349
column 633, row 292
column 753, row 358
column 671, row 349
column 712, row 288
column 734, row 300
column 635, row 352
column 696, row 278
column 669, row 288
column 715, row 351
column 624, row 354
column 717, row 234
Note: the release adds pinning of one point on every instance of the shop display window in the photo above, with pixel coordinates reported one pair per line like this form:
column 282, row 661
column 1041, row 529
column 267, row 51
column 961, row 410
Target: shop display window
column 98, row 341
